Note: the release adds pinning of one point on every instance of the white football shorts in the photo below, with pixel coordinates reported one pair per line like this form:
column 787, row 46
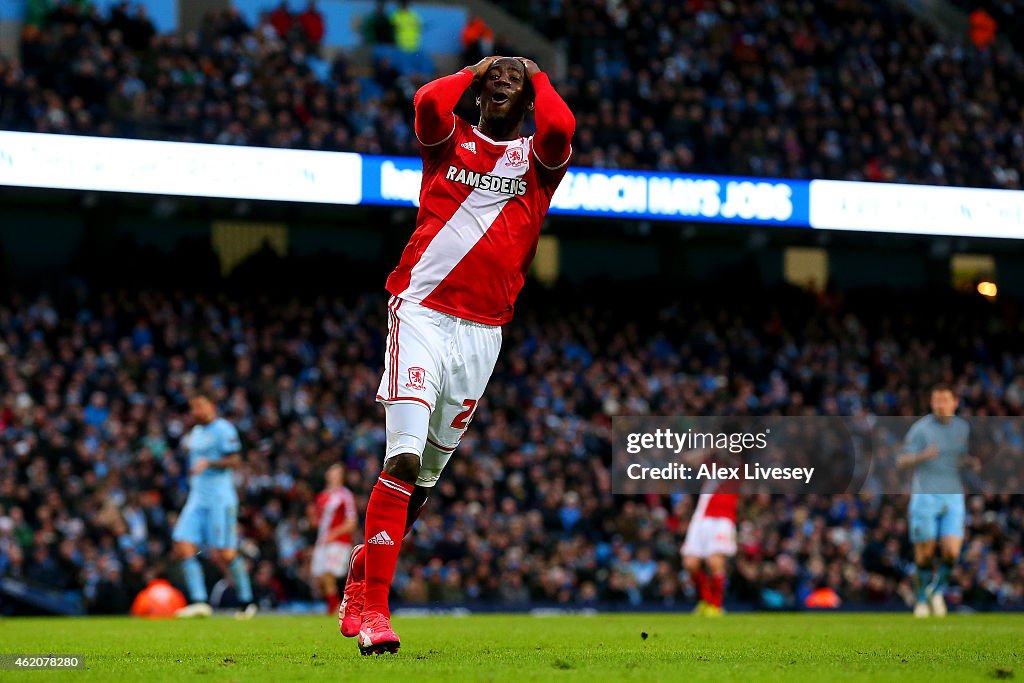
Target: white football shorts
column 331, row 558
column 710, row 536
column 436, row 367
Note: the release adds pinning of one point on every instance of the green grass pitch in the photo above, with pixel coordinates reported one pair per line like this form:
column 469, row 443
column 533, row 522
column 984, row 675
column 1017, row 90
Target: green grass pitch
column 752, row 647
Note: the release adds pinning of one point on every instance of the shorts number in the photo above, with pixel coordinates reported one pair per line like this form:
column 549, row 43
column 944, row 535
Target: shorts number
column 463, row 419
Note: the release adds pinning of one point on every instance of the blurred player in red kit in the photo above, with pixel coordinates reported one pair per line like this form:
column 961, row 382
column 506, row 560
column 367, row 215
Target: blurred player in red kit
column 485, row 192
column 335, row 518
column 711, row 540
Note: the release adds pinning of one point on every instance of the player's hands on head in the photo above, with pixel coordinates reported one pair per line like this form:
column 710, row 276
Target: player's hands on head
column 481, row 67
column 201, row 466
column 531, row 66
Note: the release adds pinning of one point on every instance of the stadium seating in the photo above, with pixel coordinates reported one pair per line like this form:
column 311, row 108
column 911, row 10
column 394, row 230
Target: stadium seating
column 855, row 89
column 93, row 407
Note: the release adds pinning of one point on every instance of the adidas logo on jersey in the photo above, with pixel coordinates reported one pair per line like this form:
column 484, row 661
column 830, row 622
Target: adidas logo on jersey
column 381, row 538
column 471, row 146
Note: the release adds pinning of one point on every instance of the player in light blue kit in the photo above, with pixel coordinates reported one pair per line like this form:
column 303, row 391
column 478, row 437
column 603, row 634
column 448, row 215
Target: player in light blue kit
column 210, row 515
column 936, row 447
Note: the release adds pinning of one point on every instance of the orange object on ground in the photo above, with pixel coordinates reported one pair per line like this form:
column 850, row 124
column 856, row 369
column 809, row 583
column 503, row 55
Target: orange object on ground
column 157, row 600
column 823, row 598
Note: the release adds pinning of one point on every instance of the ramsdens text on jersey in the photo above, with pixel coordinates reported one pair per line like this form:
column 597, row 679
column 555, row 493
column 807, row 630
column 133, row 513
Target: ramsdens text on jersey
column 486, row 181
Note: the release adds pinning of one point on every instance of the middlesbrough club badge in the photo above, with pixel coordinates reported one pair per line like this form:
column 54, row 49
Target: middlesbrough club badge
column 417, row 379
column 515, row 157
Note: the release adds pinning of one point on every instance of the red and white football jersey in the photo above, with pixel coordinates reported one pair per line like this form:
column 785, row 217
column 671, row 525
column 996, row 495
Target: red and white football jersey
column 333, row 508
column 719, row 499
column 482, row 203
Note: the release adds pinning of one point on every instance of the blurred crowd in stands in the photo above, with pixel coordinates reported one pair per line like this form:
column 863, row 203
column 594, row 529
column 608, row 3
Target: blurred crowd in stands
column 847, row 89
column 94, row 382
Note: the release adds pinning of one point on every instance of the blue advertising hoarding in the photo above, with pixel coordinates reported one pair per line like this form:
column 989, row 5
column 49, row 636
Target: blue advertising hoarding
column 603, row 193
column 204, row 170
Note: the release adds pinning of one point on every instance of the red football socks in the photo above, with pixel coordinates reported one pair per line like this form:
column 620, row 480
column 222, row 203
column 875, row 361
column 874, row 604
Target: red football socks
column 359, row 563
column 386, row 514
column 700, row 582
column 415, row 510
column 359, row 557
column 717, row 592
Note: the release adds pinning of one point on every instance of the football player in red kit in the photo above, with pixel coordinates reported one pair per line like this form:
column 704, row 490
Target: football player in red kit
column 335, row 518
column 711, row 535
column 485, row 192
column 710, row 542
